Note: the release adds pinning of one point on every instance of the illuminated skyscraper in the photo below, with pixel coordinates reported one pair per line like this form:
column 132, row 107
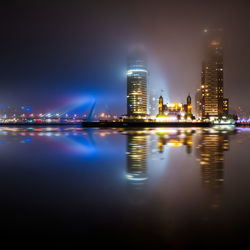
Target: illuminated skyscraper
column 212, row 75
column 137, row 86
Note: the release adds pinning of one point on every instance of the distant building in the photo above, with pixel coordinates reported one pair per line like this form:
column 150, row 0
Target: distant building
column 212, row 75
column 174, row 111
column 152, row 102
column 137, row 75
column 188, row 106
column 161, row 105
column 198, row 106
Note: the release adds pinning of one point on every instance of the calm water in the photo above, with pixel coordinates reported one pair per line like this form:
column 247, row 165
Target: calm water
column 156, row 187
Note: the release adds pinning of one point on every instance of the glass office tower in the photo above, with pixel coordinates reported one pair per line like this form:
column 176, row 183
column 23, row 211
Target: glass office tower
column 137, row 75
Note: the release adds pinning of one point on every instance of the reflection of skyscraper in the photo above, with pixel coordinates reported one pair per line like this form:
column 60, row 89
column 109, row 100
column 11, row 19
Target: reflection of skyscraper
column 211, row 150
column 136, row 156
column 137, row 86
column 212, row 75
column 136, row 165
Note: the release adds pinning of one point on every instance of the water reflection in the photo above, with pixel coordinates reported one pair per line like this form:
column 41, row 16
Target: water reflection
column 137, row 149
column 211, row 147
column 167, row 179
column 141, row 148
column 175, row 138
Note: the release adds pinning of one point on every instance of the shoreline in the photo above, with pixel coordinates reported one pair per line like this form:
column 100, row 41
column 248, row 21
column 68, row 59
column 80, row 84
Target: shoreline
column 144, row 124
column 108, row 124
column 40, row 124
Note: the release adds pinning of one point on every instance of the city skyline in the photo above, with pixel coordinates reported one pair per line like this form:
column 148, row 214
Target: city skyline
column 125, row 123
column 40, row 60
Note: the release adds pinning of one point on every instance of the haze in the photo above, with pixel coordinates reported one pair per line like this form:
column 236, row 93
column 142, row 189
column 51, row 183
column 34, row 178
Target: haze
column 55, row 54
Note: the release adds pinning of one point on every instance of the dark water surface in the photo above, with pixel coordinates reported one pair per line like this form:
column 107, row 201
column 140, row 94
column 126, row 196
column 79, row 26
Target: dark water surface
column 175, row 188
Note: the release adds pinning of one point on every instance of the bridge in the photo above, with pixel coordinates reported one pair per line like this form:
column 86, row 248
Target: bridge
column 243, row 122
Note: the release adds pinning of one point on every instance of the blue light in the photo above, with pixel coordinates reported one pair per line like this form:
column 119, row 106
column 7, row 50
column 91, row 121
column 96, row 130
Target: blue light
column 27, row 109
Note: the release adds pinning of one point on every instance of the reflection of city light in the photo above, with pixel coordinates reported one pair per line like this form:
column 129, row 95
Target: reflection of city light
column 215, row 43
column 171, row 118
column 223, row 128
column 174, row 144
column 212, row 145
column 167, row 131
column 224, row 122
column 136, row 177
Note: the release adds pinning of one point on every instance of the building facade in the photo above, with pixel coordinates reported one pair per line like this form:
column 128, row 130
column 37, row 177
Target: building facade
column 137, row 98
column 161, row 105
column 188, row 106
column 212, row 75
column 198, row 107
column 175, row 111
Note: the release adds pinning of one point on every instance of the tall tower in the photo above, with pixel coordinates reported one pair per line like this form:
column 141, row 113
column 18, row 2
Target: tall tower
column 137, row 85
column 212, row 74
column 189, row 105
column 161, row 105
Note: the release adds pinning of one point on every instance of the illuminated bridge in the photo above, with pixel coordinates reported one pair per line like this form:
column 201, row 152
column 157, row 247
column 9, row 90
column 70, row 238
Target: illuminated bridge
column 243, row 122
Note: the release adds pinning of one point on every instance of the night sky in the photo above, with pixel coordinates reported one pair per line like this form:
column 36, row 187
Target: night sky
column 68, row 53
